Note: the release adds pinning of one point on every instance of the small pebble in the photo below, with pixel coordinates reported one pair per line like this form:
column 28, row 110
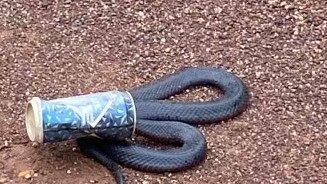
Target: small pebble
column 35, row 144
column 3, row 180
column 28, row 176
column 26, row 173
column 272, row 2
column 167, row 49
column 69, row 171
column 218, row 10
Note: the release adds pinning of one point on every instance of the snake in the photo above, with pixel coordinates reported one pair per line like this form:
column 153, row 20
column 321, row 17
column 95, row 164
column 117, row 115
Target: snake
column 171, row 122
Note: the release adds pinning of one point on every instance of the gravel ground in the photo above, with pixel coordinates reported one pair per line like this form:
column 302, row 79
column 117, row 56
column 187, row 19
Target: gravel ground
column 58, row 48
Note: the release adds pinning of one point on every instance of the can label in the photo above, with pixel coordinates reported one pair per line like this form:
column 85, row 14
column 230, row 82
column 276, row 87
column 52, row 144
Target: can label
column 106, row 114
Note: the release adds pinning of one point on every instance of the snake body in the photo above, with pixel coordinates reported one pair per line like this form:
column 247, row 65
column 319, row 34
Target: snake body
column 171, row 122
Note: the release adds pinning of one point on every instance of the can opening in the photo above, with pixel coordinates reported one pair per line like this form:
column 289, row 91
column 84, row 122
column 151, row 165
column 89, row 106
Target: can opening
column 33, row 121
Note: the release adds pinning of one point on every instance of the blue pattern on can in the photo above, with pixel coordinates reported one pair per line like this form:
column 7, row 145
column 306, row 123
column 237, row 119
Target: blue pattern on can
column 108, row 115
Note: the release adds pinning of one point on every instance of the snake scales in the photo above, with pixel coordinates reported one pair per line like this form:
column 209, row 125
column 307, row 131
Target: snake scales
column 171, row 122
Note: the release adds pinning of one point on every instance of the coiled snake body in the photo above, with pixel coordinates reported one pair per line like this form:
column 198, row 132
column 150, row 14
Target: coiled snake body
column 171, row 122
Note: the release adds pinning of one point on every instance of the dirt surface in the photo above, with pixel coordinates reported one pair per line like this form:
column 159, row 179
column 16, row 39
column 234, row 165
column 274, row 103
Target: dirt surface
column 58, row 48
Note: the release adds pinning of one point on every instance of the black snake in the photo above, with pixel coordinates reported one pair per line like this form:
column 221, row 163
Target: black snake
column 171, row 122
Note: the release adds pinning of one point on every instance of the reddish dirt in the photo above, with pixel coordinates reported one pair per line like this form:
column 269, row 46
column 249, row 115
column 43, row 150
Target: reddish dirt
column 53, row 49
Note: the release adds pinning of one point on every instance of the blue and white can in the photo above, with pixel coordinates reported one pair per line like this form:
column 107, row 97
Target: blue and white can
column 109, row 115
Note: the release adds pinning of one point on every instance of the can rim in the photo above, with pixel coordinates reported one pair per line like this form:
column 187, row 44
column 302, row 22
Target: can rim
column 34, row 119
column 134, row 111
